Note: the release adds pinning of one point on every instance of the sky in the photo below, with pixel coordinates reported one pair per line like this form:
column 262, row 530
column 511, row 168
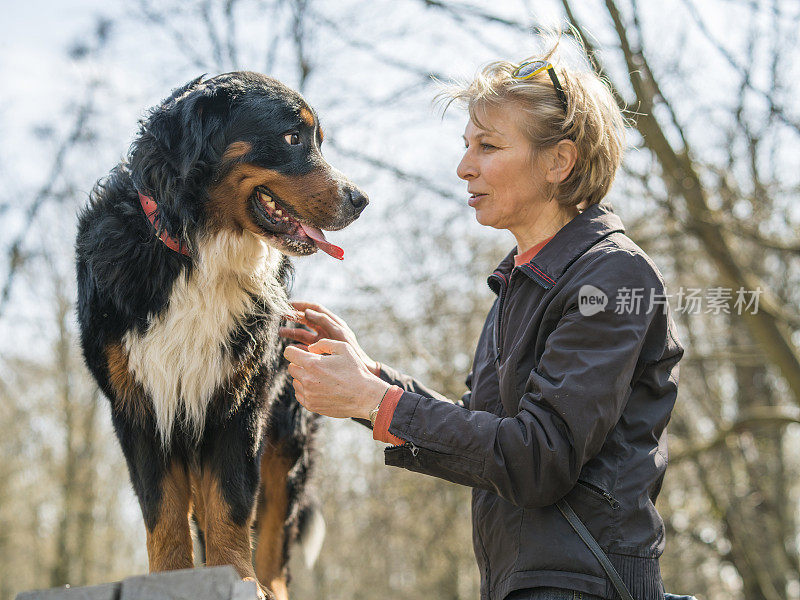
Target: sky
column 139, row 67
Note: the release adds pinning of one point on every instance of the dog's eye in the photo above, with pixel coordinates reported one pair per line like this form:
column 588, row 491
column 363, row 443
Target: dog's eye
column 292, row 138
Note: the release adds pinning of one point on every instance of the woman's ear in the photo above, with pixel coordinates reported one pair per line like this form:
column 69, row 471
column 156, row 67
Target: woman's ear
column 561, row 159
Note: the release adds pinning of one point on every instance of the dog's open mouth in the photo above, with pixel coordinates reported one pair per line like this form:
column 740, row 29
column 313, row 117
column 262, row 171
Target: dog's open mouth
column 276, row 220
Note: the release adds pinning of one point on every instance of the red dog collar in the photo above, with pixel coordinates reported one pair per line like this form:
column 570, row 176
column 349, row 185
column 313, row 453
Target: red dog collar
column 150, row 208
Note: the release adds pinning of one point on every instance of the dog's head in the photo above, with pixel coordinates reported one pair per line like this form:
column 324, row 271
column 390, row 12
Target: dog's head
column 241, row 151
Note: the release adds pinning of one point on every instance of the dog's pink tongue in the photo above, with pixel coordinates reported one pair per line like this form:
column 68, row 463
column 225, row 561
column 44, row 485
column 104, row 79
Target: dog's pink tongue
column 323, row 244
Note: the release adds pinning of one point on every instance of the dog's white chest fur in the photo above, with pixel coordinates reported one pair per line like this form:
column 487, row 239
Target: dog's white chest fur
column 181, row 359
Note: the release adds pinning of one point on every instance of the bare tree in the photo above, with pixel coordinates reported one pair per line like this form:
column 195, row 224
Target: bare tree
column 705, row 190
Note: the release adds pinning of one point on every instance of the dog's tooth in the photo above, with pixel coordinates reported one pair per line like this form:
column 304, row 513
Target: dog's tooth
column 278, row 212
column 271, row 204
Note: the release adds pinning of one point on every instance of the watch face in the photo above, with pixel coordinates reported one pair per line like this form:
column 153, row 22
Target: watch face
column 373, row 414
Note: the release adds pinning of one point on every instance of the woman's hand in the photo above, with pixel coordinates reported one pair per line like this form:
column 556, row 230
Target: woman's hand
column 325, row 325
column 331, row 379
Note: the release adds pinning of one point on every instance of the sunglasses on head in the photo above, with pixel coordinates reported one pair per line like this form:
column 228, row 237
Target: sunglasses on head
column 530, row 69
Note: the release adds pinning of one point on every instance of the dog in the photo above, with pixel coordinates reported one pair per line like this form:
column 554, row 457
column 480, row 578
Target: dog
column 183, row 276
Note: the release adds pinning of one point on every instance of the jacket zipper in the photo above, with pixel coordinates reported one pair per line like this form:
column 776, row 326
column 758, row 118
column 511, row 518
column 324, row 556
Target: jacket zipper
column 601, row 492
column 414, row 449
column 499, row 320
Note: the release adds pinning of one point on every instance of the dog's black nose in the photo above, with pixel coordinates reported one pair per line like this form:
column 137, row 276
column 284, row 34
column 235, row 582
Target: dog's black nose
column 358, row 199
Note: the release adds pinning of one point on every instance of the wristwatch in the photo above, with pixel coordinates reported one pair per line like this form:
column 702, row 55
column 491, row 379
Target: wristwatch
column 373, row 414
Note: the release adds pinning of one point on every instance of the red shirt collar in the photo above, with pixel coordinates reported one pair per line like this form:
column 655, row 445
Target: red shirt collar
column 527, row 256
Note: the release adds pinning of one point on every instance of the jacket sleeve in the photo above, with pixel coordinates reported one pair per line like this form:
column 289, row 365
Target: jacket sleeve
column 409, row 384
column 571, row 401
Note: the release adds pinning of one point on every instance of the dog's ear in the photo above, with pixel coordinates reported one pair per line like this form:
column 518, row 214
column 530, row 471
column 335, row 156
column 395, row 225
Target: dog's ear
column 178, row 147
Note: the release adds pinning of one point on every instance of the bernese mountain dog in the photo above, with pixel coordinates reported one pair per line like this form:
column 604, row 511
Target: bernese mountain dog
column 183, row 280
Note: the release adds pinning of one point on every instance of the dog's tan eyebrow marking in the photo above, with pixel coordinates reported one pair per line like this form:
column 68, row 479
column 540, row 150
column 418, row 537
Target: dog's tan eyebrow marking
column 307, row 117
column 236, row 150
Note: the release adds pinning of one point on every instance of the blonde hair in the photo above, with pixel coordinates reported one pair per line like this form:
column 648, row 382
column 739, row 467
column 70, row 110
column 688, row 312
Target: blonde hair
column 593, row 121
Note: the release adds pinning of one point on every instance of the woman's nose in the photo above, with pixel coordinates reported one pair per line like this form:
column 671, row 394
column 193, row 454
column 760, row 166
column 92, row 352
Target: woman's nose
column 466, row 168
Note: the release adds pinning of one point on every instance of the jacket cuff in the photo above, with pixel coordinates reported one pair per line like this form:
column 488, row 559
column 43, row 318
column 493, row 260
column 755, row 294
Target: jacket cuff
column 388, row 405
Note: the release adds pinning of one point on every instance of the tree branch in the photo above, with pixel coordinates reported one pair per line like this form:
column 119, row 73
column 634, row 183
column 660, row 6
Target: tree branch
column 230, row 33
column 15, row 253
column 764, row 416
column 458, row 12
column 681, row 176
column 156, row 18
column 372, row 50
column 774, row 108
column 397, row 172
column 213, row 34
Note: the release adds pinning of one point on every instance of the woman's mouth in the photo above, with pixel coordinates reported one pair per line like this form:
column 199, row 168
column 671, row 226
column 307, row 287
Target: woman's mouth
column 475, row 198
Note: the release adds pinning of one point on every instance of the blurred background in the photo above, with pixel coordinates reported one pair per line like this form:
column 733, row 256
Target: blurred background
column 709, row 189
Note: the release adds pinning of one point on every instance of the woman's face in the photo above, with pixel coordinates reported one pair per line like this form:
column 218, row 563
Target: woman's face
column 504, row 182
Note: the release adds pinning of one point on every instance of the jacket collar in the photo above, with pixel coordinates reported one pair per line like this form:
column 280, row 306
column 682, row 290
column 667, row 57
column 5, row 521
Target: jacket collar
column 568, row 244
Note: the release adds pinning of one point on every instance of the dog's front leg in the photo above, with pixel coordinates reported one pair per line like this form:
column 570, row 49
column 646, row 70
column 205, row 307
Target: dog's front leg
column 227, row 537
column 161, row 484
column 227, row 483
column 273, row 512
column 169, row 541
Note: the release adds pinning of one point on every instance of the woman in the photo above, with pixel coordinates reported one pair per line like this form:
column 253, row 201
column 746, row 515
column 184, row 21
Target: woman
column 575, row 372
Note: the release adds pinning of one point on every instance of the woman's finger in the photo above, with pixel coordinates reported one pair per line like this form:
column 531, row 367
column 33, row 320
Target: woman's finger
column 295, row 371
column 296, row 316
column 298, row 391
column 299, row 357
column 327, row 346
column 303, row 306
column 322, row 321
column 303, row 336
column 320, row 309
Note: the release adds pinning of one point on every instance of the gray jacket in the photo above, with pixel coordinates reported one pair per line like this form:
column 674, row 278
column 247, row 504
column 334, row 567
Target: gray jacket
column 571, row 389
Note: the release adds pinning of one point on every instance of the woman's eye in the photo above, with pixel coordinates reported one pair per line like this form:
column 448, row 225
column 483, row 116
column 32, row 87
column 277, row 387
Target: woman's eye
column 292, row 138
column 487, row 146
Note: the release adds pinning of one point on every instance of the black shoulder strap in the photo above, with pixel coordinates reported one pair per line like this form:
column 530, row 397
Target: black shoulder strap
column 589, row 540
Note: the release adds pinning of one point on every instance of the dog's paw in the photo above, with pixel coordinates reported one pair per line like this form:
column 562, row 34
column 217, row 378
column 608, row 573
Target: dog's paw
column 263, row 593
